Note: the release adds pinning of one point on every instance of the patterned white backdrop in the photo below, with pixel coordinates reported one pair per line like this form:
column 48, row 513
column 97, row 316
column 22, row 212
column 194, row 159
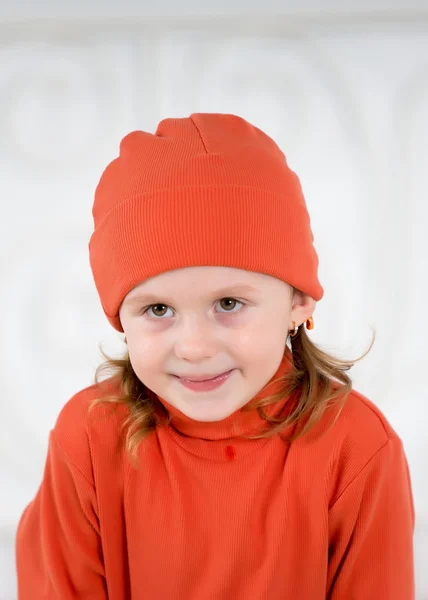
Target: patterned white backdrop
column 346, row 97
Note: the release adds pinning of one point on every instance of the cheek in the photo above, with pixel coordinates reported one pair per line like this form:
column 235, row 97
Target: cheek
column 261, row 340
column 146, row 356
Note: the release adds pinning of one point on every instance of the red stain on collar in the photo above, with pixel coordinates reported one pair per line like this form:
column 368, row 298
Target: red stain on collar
column 230, row 452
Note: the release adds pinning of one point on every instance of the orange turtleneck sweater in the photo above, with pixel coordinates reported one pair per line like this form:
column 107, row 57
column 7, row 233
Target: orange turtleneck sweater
column 210, row 516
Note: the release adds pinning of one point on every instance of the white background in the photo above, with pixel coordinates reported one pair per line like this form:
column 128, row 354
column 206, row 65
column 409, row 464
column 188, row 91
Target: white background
column 343, row 89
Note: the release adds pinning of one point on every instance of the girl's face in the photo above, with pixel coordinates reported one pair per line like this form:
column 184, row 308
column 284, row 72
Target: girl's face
column 204, row 321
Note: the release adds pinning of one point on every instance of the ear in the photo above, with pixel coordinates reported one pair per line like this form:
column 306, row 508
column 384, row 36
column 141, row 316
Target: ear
column 302, row 307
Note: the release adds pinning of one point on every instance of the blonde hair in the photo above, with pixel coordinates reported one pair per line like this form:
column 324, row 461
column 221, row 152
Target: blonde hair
column 316, row 381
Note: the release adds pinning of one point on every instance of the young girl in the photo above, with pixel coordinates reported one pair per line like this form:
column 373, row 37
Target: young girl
column 227, row 457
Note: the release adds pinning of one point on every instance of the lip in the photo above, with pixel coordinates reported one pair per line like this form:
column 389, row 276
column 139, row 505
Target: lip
column 202, row 378
column 208, row 384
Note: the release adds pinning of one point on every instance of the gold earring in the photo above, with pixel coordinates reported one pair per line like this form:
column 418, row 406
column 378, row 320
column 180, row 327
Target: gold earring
column 293, row 332
column 309, row 325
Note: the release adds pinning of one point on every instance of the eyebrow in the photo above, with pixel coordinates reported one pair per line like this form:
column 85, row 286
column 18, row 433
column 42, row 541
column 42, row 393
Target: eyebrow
column 224, row 292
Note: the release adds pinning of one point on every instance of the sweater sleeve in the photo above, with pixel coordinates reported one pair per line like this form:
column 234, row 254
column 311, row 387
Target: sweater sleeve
column 371, row 526
column 57, row 546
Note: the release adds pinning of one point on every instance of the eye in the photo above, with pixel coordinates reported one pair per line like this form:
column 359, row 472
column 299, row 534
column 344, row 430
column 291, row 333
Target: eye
column 156, row 306
column 232, row 300
column 229, row 303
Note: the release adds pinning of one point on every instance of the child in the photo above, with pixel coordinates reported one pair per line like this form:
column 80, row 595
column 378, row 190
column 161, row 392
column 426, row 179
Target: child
column 227, row 457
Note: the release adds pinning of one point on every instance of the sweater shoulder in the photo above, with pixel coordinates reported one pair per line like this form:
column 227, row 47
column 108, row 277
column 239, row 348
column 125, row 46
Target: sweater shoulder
column 358, row 423
column 364, row 424
column 360, row 432
column 84, row 429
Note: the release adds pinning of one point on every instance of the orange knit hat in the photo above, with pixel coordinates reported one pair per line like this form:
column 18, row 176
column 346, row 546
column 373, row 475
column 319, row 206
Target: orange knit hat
column 209, row 189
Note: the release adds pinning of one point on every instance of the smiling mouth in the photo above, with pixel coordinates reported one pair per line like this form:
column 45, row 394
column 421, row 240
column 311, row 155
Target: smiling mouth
column 203, row 378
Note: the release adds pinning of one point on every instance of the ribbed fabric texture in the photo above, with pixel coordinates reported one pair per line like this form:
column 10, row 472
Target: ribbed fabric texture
column 210, row 189
column 209, row 516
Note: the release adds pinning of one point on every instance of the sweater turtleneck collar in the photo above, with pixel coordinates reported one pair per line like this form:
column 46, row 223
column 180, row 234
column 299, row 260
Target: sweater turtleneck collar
column 194, row 435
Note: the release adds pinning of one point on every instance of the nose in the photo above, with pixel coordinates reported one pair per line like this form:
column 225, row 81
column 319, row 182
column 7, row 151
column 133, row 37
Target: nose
column 195, row 341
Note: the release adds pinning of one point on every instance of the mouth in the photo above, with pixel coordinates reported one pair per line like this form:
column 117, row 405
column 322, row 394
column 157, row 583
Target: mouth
column 206, row 385
column 202, row 378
